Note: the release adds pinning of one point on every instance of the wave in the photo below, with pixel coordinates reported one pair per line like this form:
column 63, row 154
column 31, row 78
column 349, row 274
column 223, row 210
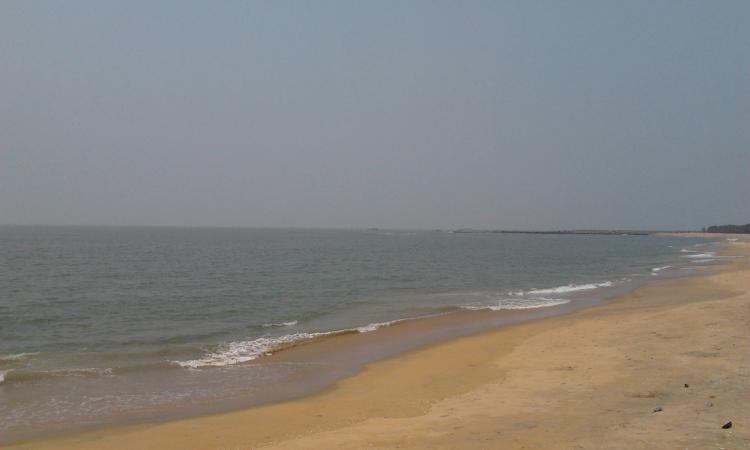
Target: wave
column 656, row 270
column 10, row 376
column 20, row 375
column 570, row 288
column 238, row 352
column 514, row 303
column 17, row 356
column 700, row 255
column 377, row 325
column 291, row 323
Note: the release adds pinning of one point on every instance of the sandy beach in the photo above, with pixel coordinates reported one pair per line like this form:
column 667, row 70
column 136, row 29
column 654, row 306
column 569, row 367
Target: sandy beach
column 664, row 366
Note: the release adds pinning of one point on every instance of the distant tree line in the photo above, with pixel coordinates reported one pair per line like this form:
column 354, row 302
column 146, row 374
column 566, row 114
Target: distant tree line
column 737, row 229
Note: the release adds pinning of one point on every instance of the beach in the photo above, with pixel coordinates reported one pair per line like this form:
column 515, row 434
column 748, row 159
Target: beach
column 359, row 225
column 663, row 366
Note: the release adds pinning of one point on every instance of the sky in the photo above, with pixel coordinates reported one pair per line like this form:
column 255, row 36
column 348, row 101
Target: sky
column 393, row 114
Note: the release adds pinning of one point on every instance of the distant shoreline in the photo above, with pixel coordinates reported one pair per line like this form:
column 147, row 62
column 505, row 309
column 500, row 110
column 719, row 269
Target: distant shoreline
column 602, row 232
column 595, row 231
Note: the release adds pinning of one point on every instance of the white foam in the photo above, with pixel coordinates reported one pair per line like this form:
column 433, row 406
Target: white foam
column 700, row 255
column 242, row 351
column 570, row 288
column 686, row 250
column 374, row 326
column 377, row 325
column 2, row 375
column 717, row 258
column 239, row 352
column 291, row 323
column 732, row 239
column 515, row 303
column 656, row 270
column 17, row 356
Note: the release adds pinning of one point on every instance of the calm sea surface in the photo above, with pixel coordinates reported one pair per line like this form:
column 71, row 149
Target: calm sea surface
column 98, row 324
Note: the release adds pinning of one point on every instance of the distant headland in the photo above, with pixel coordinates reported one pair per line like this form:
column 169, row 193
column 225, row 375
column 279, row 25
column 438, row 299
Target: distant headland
column 606, row 232
column 736, row 229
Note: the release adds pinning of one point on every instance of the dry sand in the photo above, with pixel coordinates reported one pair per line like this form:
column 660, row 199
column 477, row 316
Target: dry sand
column 587, row 380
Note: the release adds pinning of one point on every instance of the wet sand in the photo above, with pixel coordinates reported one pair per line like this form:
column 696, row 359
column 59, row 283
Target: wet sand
column 588, row 379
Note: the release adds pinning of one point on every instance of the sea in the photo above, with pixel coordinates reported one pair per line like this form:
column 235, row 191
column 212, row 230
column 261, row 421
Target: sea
column 112, row 325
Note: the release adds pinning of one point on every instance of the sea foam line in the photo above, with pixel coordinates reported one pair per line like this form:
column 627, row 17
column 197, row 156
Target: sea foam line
column 514, row 303
column 17, row 356
column 238, row 352
column 656, row 270
column 291, row 323
column 570, row 288
column 700, row 255
column 377, row 325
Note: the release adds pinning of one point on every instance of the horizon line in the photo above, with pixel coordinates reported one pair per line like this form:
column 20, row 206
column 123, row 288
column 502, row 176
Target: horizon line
column 352, row 228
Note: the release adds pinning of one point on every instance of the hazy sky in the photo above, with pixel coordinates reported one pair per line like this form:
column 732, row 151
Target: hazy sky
column 496, row 114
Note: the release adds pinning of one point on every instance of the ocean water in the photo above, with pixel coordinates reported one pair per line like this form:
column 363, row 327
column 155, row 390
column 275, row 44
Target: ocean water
column 106, row 325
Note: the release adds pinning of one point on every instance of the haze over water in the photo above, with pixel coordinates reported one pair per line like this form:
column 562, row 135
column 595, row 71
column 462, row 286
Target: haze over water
column 420, row 114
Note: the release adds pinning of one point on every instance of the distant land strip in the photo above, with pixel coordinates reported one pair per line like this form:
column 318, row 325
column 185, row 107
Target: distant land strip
column 734, row 229
column 606, row 232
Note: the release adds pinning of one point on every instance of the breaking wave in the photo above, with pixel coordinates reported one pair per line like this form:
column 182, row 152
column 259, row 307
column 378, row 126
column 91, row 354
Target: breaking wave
column 570, row 288
column 515, row 303
column 656, row 270
column 238, row 352
column 291, row 323
column 700, row 255
column 17, row 356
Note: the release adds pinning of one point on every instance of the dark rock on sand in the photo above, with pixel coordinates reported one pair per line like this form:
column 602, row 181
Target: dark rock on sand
column 727, row 425
column 658, row 409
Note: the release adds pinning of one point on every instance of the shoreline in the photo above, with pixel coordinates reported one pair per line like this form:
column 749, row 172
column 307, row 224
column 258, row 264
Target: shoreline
column 351, row 351
column 298, row 415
